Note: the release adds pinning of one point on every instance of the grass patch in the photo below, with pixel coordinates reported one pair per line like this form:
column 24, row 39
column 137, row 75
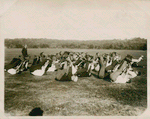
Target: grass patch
column 89, row 96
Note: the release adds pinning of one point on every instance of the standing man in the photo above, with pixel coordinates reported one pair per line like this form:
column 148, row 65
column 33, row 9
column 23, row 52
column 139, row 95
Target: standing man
column 26, row 57
column 24, row 52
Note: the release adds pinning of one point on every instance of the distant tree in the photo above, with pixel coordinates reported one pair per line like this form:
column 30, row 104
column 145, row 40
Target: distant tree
column 19, row 46
column 91, row 46
column 144, row 47
column 44, row 46
column 131, row 44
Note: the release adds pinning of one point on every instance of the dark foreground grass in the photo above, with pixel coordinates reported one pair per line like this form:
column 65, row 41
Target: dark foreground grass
column 89, row 96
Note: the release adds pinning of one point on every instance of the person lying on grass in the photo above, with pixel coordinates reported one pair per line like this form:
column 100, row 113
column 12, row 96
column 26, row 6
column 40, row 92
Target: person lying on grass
column 38, row 59
column 110, row 61
column 117, row 68
column 68, row 73
column 39, row 69
column 82, row 62
column 16, row 66
column 35, row 60
column 54, row 64
column 123, row 73
column 14, row 62
column 115, row 60
column 85, row 70
column 72, row 69
column 102, row 63
column 126, row 76
column 106, row 64
column 95, row 65
column 82, row 66
column 135, row 62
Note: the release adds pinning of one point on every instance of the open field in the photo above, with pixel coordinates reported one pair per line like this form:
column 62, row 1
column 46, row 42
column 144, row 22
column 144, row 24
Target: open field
column 89, row 96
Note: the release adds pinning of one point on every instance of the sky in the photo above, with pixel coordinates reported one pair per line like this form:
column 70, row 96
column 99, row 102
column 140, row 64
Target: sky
column 74, row 19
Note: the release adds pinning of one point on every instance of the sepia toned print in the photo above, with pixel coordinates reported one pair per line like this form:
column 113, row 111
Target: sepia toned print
column 76, row 82
column 75, row 58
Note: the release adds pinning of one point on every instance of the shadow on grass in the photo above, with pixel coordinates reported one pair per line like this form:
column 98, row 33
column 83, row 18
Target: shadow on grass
column 129, row 96
column 105, row 79
column 25, row 92
column 62, row 80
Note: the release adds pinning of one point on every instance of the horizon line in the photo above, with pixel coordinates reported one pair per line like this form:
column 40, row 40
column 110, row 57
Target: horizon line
column 78, row 39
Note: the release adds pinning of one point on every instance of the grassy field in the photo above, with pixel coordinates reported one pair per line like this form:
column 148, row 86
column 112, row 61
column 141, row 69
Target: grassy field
column 89, row 96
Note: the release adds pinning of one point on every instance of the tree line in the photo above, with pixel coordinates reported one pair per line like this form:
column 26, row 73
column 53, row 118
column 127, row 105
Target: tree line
column 128, row 44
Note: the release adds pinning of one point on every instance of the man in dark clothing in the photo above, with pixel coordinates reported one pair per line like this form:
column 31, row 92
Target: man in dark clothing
column 24, row 52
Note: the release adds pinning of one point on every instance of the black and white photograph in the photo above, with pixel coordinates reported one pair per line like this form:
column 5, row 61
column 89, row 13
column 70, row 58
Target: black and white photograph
column 74, row 58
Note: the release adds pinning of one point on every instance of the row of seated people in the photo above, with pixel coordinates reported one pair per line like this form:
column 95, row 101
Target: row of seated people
column 17, row 65
column 71, row 65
